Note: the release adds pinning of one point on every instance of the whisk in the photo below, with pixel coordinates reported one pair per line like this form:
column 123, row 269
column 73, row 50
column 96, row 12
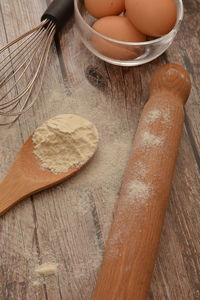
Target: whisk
column 24, row 62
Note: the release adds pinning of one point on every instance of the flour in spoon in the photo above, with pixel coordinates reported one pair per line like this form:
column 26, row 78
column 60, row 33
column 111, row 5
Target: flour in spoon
column 64, row 142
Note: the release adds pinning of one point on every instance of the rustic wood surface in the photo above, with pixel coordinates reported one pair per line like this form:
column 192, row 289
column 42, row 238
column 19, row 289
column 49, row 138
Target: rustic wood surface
column 69, row 224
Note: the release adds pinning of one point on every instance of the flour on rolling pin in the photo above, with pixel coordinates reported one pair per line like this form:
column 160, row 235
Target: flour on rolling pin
column 162, row 114
column 147, row 138
column 137, row 190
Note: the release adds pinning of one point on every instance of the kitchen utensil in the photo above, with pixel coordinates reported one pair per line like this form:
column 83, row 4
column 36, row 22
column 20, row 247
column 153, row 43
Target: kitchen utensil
column 26, row 177
column 24, row 61
column 134, row 237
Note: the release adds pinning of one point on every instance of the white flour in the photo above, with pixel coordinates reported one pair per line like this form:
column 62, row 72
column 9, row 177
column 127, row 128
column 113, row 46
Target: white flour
column 148, row 139
column 163, row 115
column 139, row 191
column 64, row 142
column 47, row 269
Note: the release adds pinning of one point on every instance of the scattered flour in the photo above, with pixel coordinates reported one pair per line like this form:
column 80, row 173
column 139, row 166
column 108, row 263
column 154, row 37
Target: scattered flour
column 152, row 116
column 148, row 139
column 47, row 269
column 139, row 191
column 81, row 270
column 104, row 174
column 167, row 118
column 118, row 237
column 36, row 283
column 156, row 114
column 64, row 142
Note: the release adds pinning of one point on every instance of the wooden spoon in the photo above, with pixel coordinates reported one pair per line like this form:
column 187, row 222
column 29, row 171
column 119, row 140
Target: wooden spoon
column 135, row 233
column 26, row 177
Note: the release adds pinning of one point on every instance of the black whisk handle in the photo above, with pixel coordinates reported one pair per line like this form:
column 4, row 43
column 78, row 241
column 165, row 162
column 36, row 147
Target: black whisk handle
column 59, row 11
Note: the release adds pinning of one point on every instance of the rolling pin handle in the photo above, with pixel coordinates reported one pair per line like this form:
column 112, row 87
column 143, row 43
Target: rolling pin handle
column 171, row 79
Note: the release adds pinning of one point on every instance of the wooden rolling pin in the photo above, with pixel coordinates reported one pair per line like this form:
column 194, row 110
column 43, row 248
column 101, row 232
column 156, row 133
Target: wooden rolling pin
column 132, row 245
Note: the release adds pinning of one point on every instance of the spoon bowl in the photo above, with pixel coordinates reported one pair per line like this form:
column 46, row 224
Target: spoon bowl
column 26, row 177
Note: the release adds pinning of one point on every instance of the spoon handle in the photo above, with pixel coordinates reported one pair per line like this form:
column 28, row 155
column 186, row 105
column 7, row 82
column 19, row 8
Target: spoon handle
column 12, row 190
column 26, row 177
column 134, row 237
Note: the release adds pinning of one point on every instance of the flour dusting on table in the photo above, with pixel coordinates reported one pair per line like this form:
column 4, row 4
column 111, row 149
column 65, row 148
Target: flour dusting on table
column 47, row 269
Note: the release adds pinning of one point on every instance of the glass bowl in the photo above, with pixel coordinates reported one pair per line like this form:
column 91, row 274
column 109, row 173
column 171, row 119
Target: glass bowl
column 147, row 51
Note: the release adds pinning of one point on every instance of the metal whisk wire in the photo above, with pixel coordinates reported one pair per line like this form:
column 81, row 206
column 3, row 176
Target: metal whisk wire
column 24, row 62
column 19, row 56
column 38, row 43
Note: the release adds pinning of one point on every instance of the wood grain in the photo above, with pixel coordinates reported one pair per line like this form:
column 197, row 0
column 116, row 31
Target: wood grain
column 69, row 224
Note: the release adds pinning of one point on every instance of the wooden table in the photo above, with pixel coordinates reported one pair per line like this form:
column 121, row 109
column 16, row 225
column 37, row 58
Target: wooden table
column 69, row 224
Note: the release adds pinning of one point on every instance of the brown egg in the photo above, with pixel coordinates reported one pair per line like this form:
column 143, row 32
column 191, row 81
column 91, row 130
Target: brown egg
column 152, row 17
column 103, row 8
column 121, row 29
